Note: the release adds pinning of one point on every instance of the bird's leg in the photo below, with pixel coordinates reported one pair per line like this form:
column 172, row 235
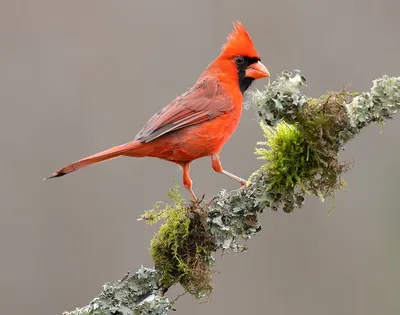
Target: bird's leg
column 187, row 182
column 216, row 165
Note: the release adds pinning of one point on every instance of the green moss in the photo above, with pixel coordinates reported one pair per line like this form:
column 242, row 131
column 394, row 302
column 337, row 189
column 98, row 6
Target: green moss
column 304, row 154
column 181, row 249
column 289, row 161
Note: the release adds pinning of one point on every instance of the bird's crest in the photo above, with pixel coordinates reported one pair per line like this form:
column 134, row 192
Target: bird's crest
column 239, row 43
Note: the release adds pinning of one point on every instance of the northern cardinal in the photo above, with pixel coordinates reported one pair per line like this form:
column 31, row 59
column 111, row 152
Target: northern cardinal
column 199, row 122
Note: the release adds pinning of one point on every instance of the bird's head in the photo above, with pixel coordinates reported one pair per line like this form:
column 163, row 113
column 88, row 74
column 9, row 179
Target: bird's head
column 241, row 57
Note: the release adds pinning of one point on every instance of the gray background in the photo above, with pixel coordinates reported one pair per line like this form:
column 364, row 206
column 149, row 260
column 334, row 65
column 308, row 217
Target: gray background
column 77, row 77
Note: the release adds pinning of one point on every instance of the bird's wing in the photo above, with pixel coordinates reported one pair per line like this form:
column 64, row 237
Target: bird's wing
column 206, row 100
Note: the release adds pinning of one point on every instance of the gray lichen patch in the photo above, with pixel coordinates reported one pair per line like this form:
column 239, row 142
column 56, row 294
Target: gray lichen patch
column 378, row 105
column 137, row 294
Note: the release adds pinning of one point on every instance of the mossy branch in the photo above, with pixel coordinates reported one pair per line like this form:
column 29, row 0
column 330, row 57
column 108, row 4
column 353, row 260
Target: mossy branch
column 301, row 154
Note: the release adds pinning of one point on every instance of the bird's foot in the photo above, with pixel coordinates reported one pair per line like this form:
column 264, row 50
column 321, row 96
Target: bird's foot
column 195, row 203
column 244, row 185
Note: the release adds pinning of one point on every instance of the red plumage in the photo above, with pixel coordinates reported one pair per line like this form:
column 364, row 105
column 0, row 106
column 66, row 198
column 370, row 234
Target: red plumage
column 199, row 122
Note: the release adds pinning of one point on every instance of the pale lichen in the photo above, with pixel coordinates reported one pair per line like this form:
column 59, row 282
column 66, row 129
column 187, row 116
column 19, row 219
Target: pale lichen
column 281, row 99
column 381, row 103
column 137, row 294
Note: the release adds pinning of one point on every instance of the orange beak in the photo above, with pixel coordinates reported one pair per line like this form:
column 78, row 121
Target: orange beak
column 257, row 71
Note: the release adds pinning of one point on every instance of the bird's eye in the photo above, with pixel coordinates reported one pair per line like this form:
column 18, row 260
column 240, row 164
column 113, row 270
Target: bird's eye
column 239, row 60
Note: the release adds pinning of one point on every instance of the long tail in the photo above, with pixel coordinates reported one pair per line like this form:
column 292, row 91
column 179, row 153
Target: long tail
column 96, row 158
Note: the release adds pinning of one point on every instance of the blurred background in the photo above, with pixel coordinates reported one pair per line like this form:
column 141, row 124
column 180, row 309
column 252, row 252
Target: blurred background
column 77, row 77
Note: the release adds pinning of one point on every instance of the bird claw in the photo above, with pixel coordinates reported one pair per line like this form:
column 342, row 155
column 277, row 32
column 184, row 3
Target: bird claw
column 197, row 202
column 244, row 185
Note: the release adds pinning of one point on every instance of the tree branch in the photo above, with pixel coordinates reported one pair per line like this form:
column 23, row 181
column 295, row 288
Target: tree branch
column 304, row 137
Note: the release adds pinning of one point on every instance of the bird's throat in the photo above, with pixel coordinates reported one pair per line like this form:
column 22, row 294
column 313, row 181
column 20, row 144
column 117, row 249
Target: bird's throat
column 244, row 83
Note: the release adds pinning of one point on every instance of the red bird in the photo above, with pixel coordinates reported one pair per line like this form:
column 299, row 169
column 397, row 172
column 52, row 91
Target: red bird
column 199, row 122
